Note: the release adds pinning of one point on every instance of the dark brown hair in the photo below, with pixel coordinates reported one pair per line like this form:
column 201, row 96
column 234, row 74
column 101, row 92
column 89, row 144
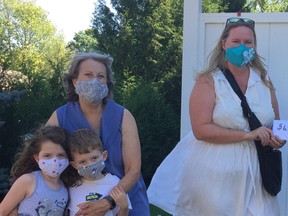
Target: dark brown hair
column 25, row 162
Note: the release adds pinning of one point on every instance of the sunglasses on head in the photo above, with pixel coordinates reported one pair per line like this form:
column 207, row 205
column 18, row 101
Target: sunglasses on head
column 243, row 20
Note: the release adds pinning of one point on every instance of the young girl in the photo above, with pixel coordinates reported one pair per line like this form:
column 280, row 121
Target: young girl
column 91, row 184
column 38, row 188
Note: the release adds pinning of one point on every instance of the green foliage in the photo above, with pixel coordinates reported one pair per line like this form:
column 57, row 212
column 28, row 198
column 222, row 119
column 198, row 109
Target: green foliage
column 233, row 5
column 170, row 89
column 145, row 39
column 24, row 30
column 268, row 5
column 56, row 57
column 4, row 182
column 158, row 126
column 218, row 6
column 33, row 57
column 7, row 98
column 9, row 134
column 84, row 41
column 212, row 6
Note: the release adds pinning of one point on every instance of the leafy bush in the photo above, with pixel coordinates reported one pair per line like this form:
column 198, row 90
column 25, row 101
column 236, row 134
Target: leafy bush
column 158, row 126
column 4, row 182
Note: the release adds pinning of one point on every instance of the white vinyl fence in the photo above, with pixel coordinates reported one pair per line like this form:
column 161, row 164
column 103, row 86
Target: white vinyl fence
column 201, row 33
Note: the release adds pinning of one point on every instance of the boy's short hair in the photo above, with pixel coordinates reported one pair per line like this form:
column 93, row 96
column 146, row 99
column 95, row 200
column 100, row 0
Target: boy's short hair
column 84, row 141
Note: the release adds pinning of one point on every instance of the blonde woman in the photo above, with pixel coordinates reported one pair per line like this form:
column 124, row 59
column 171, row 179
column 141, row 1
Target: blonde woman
column 214, row 170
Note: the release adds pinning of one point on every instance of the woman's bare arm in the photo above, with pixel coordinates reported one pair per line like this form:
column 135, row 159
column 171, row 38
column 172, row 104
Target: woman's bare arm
column 201, row 106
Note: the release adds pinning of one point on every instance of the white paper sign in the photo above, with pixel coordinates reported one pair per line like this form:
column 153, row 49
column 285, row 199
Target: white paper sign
column 280, row 129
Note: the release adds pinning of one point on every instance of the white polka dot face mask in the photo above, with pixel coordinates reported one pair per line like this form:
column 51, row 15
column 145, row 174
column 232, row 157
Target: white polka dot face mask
column 53, row 167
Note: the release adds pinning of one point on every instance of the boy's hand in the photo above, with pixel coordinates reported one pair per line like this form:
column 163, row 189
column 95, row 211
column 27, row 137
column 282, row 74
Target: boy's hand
column 120, row 197
column 96, row 207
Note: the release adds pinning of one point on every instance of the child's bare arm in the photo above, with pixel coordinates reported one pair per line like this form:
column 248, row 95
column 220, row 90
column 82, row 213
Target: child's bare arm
column 120, row 198
column 16, row 194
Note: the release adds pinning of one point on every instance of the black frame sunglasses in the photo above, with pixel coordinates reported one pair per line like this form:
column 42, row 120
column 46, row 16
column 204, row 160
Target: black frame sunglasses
column 243, row 20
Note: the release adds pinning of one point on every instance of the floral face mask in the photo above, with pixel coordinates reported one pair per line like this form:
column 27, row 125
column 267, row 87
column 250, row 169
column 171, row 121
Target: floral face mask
column 92, row 91
column 93, row 170
column 240, row 56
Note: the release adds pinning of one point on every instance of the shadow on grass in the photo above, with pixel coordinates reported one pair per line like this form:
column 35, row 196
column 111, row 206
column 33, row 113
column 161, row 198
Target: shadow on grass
column 155, row 211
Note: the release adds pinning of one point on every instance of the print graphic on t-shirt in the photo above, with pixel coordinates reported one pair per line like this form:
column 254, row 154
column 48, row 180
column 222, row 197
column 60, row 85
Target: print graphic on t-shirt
column 93, row 196
column 45, row 207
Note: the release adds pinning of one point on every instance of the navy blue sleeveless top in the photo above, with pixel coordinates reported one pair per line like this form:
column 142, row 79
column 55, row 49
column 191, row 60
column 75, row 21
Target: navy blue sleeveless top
column 71, row 118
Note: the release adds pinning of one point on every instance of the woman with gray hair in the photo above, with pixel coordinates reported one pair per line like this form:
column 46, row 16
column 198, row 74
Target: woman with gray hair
column 88, row 85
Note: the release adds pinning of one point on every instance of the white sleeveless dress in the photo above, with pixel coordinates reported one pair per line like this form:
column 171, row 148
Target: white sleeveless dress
column 204, row 179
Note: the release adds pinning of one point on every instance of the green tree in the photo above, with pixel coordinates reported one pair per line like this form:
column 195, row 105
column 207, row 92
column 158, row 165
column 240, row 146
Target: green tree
column 29, row 46
column 24, row 30
column 56, row 57
column 233, row 5
column 157, row 124
column 4, row 182
column 145, row 39
column 84, row 41
column 267, row 5
column 218, row 6
column 212, row 6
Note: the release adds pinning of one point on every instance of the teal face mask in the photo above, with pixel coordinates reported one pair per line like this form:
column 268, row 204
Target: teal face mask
column 240, row 56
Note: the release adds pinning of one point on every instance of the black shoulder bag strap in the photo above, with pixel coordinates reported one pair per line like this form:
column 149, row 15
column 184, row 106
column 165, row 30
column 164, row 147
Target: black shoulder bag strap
column 270, row 160
column 245, row 107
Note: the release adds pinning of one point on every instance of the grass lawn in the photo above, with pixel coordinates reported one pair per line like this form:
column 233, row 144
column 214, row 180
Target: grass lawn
column 154, row 211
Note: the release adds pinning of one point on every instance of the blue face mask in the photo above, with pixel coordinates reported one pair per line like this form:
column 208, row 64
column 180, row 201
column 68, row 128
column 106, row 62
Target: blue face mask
column 240, row 56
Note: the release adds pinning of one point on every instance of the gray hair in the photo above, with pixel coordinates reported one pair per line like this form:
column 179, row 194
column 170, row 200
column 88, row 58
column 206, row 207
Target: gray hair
column 73, row 73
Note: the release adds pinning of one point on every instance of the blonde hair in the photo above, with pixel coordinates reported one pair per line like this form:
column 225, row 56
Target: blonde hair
column 217, row 58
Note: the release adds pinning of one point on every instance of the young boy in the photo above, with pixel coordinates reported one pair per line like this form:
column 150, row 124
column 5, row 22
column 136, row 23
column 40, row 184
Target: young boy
column 91, row 184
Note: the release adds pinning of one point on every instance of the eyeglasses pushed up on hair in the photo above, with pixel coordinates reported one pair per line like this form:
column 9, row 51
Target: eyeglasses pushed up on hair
column 238, row 19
